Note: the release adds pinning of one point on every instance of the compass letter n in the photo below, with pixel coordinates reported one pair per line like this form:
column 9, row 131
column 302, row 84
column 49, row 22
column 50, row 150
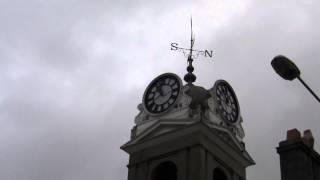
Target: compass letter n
column 174, row 46
column 206, row 53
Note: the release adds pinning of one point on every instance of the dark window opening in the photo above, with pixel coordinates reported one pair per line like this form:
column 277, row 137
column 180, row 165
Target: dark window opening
column 218, row 174
column 165, row 171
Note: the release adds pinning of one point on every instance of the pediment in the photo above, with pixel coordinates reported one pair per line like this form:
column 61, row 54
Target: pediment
column 157, row 129
column 166, row 126
column 193, row 134
column 227, row 137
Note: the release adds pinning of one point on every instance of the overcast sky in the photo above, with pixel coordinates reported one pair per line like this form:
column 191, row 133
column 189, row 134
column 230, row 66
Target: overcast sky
column 72, row 73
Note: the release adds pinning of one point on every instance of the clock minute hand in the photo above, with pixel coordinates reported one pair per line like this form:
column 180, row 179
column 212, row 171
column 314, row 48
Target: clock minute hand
column 157, row 96
column 159, row 89
column 162, row 95
column 167, row 93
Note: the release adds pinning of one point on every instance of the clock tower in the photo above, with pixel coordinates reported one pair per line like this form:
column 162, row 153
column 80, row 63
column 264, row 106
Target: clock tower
column 187, row 132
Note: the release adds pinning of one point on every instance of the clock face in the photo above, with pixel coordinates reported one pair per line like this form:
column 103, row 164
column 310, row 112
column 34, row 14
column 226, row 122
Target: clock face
column 162, row 93
column 227, row 102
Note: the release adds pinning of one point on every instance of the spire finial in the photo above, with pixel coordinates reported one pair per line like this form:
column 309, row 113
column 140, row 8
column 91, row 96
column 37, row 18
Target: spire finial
column 190, row 77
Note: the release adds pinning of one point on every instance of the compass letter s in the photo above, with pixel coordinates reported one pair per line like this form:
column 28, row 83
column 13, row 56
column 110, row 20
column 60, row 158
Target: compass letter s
column 174, row 46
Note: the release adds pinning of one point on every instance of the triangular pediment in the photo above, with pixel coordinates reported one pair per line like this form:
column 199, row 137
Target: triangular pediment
column 227, row 137
column 159, row 128
column 196, row 133
column 166, row 126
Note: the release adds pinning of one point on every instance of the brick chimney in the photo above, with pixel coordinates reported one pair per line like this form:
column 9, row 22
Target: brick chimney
column 298, row 159
column 308, row 138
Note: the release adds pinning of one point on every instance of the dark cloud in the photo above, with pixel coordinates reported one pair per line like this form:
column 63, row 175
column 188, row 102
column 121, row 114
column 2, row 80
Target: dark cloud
column 73, row 72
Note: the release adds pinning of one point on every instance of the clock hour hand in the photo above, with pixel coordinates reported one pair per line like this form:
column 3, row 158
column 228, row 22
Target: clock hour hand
column 157, row 97
column 159, row 89
column 167, row 93
column 164, row 94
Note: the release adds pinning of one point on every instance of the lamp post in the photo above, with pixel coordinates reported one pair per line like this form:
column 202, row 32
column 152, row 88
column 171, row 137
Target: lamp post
column 289, row 71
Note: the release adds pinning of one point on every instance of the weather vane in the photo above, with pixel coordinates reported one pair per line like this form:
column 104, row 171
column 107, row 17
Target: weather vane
column 190, row 77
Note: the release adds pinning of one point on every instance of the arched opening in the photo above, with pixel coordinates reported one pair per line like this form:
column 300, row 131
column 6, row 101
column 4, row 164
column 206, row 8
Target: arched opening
column 165, row 171
column 218, row 174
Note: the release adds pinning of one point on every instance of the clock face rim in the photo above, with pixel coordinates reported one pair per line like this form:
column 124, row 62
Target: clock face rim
column 234, row 96
column 155, row 81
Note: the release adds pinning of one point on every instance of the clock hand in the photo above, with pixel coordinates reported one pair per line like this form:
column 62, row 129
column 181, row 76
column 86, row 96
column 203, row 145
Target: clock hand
column 163, row 95
column 157, row 96
column 227, row 100
column 160, row 90
column 167, row 93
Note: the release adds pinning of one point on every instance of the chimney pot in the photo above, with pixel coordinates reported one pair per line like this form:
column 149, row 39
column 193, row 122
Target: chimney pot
column 293, row 134
column 308, row 138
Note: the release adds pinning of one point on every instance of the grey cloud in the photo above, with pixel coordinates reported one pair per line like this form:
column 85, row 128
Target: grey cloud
column 73, row 72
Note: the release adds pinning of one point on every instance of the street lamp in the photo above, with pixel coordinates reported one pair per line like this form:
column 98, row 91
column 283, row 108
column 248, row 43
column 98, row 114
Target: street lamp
column 289, row 71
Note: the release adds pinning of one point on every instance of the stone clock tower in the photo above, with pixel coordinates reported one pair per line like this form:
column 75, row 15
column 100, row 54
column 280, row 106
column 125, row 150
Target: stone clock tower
column 187, row 132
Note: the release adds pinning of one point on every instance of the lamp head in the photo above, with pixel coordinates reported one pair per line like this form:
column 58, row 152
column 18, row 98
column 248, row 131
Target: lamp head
column 285, row 67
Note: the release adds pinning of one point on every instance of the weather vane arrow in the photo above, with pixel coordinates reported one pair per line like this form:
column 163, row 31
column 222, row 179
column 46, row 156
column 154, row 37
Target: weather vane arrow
column 190, row 77
column 205, row 53
column 188, row 52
